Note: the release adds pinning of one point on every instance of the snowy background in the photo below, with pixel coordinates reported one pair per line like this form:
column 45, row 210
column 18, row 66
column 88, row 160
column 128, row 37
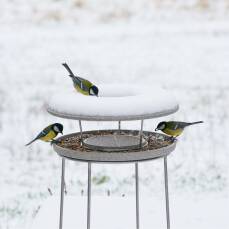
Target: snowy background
column 181, row 45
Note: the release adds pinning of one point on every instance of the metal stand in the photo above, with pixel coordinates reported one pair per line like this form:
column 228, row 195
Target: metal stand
column 62, row 194
column 166, row 192
column 119, row 126
column 136, row 186
column 136, row 191
column 88, row 184
column 141, row 133
column 137, row 195
column 81, row 131
column 89, row 196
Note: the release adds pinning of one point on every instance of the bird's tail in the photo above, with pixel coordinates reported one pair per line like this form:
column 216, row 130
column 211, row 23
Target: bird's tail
column 31, row 142
column 194, row 123
column 68, row 69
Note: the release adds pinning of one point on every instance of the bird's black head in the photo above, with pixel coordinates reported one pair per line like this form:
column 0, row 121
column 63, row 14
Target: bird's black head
column 93, row 90
column 161, row 126
column 58, row 128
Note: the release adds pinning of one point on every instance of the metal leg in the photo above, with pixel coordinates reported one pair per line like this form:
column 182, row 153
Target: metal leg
column 166, row 193
column 62, row 194
column 141, row 133
column 137, row 195
column 81, row 132
column 119, row 126
column 89, row 196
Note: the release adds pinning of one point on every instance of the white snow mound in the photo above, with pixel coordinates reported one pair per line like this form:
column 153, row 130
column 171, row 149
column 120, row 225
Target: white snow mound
column 115, row 102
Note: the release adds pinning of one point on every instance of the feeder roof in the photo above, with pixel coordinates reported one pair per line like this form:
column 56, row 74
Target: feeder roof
column 115, row 103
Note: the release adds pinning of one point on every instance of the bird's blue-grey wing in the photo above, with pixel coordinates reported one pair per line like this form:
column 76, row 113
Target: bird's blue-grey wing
column 84, row 87
column 176, row 125
column 76, row 80
column 183, row 124
column 79, row 81
column 179, row 125
column 44, row 132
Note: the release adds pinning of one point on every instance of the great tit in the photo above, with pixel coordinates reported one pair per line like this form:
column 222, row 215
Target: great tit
column 49, row 133
column 83, row 86
column 174, row 128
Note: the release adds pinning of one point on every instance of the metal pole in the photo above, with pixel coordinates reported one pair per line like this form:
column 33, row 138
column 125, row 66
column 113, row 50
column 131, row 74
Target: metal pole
column 166, row 192
column 81, row 132
column 89, row 196
column 62, row 194
column 137, row 195
column 141, row 133
column 119, row 126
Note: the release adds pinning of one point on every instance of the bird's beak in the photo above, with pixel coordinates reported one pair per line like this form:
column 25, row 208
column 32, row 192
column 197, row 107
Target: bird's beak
column 156, row 129
column 61, row 132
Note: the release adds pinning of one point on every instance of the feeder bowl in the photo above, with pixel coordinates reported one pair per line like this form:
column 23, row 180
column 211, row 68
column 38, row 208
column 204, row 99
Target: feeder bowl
column 115, row 148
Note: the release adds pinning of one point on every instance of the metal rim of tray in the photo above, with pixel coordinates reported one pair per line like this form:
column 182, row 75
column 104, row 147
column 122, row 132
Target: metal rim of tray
column 141, row 154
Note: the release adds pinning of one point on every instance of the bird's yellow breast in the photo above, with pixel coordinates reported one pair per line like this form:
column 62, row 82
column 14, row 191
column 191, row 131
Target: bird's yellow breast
column 81, row 90
column 173, row 133
column 51, row 134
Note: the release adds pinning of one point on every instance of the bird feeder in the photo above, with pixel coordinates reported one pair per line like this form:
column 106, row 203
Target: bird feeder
column 115, row 103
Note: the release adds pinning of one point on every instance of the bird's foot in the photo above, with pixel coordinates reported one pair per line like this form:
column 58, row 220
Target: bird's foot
column 54, row 142
column 172, row 138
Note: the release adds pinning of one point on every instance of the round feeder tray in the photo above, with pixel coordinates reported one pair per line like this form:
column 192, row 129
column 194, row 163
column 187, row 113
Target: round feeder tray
column 95, row 149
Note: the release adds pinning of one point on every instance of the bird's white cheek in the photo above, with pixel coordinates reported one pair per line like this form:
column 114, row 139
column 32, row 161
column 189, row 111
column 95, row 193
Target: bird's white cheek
column 92, row 92
column 56, row 129
column 161, row 127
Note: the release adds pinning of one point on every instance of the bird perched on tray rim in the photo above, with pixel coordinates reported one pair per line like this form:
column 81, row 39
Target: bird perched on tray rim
column 174, row 128
column 49, row 133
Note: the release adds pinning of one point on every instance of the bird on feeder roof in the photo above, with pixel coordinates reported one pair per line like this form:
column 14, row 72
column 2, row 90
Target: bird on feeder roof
column 82, row 85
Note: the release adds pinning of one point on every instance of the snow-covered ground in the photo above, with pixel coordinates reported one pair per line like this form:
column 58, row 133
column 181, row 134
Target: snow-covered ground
column 119, row 213
column 185, row 51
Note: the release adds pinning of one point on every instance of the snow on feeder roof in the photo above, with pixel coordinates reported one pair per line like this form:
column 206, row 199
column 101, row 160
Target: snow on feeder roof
column 115, row 103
